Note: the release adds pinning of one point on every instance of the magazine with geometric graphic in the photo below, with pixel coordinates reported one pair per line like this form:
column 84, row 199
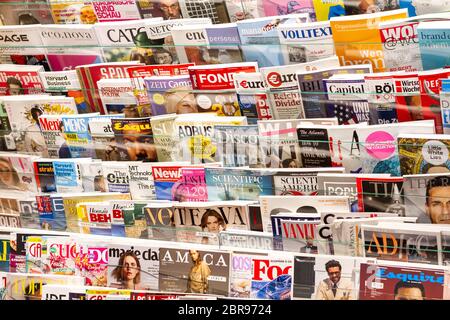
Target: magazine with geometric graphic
column 215, row 10
column 241, row 274
column 379, row 149
column 424, row 153
column 194, row 271
column 326, row 9
column 275, row 285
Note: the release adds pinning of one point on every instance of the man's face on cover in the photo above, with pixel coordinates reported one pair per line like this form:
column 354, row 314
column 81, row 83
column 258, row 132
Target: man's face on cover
column 334, row 273
column 438, row 205
column 170, row 9
column 14, row 89
column 139, row 145
column 408, row 294
column 163, row 58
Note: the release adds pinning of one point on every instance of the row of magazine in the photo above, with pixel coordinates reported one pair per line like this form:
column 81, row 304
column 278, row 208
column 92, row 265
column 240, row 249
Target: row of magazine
column 91, row 11
column 183, row 208
column 390, row 41
column 48, row 265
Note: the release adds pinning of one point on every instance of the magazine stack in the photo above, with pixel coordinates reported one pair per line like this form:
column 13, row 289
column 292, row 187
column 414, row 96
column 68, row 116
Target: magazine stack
column 205, row 150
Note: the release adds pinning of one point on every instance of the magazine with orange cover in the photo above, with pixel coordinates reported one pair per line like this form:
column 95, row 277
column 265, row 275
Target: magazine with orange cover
column 357, row 38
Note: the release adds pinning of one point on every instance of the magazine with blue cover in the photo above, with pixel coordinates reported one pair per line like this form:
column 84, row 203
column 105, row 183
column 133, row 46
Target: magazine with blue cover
column 78, row 138
column 260, row 41
column 237, row 184
column 434, row 42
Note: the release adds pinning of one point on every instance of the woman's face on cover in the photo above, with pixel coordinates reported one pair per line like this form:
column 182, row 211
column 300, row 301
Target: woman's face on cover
column 130, row 268
column 212, row 223
column 6, row 174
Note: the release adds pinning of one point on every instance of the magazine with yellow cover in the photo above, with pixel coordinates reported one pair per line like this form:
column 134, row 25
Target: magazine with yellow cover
column 327, row 9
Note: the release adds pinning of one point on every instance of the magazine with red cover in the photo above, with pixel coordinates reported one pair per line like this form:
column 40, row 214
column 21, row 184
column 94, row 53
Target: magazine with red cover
column 214, row 87
column 19, row 79
column 396, row 282
column 407, row 96
column 217, row 77
column 96, row 72
column 430, row 85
